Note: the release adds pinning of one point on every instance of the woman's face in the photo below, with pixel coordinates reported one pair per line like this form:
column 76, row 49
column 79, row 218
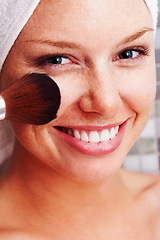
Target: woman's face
column 101, row 55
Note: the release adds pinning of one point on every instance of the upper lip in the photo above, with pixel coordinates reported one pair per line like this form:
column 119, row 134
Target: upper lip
column 93, row 128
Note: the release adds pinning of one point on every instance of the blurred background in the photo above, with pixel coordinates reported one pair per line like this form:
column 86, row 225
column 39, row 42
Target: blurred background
column 145, row 154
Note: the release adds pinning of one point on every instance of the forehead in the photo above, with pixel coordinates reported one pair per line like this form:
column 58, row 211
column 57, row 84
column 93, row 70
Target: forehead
column 79, row 19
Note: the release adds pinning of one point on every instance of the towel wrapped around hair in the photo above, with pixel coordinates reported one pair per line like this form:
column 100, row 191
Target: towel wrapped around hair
column 14, row 14
column 153, row 8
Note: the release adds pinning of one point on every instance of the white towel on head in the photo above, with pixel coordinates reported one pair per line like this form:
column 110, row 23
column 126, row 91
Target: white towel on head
column 153, row 8
column 14, row 14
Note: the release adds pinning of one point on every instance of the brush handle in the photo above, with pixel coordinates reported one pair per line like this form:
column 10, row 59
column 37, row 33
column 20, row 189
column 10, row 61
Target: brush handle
column 2, row 108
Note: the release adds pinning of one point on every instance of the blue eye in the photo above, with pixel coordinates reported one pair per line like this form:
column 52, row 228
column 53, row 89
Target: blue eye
column 58, row 60
column 129, row 54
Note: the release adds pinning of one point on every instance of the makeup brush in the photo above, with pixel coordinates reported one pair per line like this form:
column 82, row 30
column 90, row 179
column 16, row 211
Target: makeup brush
column 34, row 99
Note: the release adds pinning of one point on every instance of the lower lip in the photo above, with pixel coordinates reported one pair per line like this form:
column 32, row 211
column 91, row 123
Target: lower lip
column 94, row 149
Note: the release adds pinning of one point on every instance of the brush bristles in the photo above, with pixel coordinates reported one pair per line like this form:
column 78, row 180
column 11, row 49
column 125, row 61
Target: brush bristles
column 33, row 99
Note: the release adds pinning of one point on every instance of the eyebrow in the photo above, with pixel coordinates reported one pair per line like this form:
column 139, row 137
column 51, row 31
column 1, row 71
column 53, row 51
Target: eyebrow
column 135, row 36
column 72, row 45
column 60, row 44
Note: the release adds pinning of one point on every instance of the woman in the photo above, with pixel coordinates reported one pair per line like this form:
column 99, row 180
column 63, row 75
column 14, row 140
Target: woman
column 65, row 179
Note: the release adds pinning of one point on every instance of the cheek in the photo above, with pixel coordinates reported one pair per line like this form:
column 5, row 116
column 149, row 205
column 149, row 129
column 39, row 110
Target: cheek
column 24, row 133
column 34, row 139
column 139, row 91
column 37, row 142
column 72, row 88
column 138, row 94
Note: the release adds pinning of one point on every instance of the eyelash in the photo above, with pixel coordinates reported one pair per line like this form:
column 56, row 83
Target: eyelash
column 141, row 51
column 52, row 60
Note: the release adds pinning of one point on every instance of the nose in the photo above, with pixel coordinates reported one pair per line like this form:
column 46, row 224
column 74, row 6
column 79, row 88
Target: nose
column 102, row 96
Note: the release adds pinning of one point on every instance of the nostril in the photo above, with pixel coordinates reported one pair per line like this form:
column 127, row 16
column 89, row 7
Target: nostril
column 86, row 104
column 101, row 102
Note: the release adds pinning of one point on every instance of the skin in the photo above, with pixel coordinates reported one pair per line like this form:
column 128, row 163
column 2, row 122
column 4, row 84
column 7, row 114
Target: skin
column 53, row 185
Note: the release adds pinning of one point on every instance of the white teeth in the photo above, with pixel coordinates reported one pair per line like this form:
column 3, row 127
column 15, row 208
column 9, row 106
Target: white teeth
column 116, row 129
column 76, row 134
column 112, row 133
column 84, row 136
column 94, row 137
column 104, row 135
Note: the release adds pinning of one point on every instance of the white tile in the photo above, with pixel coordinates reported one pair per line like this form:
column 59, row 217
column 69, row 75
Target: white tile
column 149, row 130
column 132, row 162
column 158, row 127
column 157, row 42
column 150, row 163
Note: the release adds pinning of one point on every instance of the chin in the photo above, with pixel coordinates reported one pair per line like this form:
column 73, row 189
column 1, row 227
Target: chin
column 91, row 169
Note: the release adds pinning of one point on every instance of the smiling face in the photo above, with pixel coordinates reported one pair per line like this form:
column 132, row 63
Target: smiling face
column 101, row 55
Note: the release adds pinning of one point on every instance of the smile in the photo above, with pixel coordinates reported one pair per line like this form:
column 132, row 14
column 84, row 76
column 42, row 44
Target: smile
column 96, row 136
column 91, row 140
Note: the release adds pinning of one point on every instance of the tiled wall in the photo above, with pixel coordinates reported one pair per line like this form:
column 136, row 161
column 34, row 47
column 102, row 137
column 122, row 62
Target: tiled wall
column 145, row 154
